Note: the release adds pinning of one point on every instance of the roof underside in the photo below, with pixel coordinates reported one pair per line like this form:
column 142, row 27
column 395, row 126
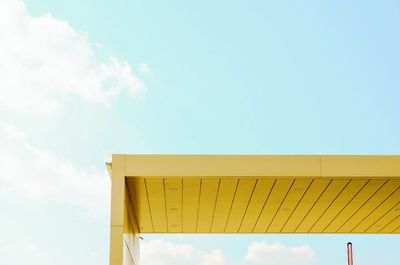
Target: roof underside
column 268, row 194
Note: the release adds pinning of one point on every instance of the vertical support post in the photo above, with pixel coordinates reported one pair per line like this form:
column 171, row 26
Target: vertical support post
column 349, row 253
column 117, row 210
column 124, row 245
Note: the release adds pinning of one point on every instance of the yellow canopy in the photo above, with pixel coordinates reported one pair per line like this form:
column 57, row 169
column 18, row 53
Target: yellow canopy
column 263, row 194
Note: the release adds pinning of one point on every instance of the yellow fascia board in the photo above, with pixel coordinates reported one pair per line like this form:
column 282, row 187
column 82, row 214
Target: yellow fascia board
column 263, row 165
column 360, row 166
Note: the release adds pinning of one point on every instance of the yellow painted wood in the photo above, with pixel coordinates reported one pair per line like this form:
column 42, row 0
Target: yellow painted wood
column 338, row 204
column 222, row 165
column 173, row 197
column 392, row 226
column 227, row 189
column 117, row 211
column 389, row 217
column 156, row 196
column 380, row 166
column 329, row 196
column 378, row 213
column 130, row 237
column 208, row 195
column 118, row 190
column 262, row 165
column 257, row 194
column 355, row 204
column 275, row 199
column 288, row 206
column 377, row 199
column 130, row 209
column 191, row 196
column 138, row 193
column 242, row 196
column 250, row 194
column 116, row 244
column 231, row 205
column 256, row 204
column 309, row 199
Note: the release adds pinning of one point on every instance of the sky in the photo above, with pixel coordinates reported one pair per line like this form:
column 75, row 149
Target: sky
column 81, row 80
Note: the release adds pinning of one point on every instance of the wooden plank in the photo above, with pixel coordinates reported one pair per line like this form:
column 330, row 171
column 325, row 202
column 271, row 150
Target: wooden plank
column 275, row 199
column 242, row 196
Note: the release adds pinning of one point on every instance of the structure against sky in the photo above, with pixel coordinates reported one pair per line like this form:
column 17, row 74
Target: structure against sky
column 226, row 77
column 250, row 194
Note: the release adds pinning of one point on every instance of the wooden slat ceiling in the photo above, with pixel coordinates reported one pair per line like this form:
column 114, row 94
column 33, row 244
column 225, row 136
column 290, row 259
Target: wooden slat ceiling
column 232, row 204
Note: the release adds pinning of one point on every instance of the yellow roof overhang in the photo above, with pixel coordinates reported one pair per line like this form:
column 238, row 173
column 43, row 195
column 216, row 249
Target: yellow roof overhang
column 264, row 194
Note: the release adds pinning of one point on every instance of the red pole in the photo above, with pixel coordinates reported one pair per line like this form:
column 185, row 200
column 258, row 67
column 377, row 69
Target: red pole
column 349, row 253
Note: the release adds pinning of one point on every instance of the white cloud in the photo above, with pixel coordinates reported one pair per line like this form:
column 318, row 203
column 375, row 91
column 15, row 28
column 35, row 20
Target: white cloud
column 39, row 174
column 216, row 257
column 278, row 254
column 43, row 60
column 161, row 252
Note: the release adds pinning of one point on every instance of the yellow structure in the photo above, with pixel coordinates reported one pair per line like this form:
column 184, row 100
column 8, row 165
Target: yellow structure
column 250, row 194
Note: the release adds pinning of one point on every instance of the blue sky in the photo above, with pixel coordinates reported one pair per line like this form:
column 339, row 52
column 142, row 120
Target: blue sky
column 83, row 80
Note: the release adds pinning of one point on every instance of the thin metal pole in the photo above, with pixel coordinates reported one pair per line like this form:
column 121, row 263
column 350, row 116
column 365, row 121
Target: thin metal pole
column 350, row 253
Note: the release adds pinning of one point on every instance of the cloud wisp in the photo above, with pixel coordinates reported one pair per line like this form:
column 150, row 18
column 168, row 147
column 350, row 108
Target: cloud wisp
column 162, row 252
column 43, row 60
column 38, row 174
column 158, row 251
column 278, row 254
